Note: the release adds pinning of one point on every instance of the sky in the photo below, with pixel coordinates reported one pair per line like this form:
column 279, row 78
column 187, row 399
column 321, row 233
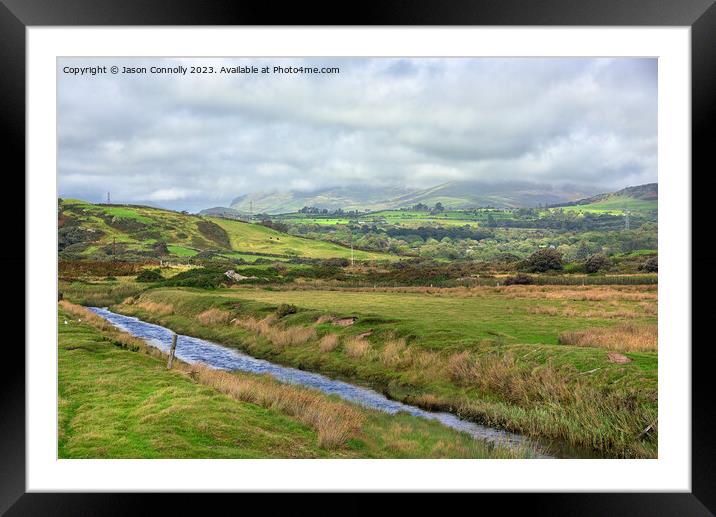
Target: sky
column 194, row 141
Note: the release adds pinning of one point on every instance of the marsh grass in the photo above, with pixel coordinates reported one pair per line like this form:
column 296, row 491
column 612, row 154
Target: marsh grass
column 158, row 308
column 213, row 316
column 328, row 343
column 280, row 336
column 356, row 347
column 628, row 337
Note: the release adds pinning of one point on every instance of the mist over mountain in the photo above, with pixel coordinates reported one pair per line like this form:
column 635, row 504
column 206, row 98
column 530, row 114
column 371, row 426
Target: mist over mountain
column 453, row 194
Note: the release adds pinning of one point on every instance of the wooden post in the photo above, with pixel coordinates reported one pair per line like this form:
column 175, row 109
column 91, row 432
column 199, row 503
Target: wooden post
column 171, row 351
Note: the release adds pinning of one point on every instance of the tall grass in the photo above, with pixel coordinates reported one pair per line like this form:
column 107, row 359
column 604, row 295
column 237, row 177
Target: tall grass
column 334, row 422
column 328, row 343
column 356, row 347
column 213, row 317
column 555, row 401
column 281, row 337
column 628, row 337
column 158, row 308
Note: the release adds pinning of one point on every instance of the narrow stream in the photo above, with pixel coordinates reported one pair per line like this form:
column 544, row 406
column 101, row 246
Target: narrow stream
column 193, row 350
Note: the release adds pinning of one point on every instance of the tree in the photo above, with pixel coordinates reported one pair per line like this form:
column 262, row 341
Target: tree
column 596, row 263
column 543, row 260
column 582, row 252
column 491, row 221
column 438, row 207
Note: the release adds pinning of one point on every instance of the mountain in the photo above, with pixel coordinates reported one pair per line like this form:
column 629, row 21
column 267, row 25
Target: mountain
column 454, row 194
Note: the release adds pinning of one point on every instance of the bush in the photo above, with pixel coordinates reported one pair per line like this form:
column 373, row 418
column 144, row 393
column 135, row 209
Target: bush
column 650, row 265
column 285, row 309
column 149, row 275
column 203, row 278
column 596, row 262
column 543, row 260
column 519, row 279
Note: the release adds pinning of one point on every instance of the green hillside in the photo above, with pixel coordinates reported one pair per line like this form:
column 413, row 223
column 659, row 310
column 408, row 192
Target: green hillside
column 641, row 198
column 92, row 230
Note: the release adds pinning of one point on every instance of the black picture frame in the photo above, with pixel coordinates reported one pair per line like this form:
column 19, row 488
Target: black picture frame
column 17, row 15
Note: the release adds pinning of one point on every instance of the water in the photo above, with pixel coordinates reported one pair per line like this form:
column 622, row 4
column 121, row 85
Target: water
column 194, row 350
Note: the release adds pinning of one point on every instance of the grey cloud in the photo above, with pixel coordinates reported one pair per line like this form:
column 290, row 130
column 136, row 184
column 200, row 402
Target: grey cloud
column 195, row 141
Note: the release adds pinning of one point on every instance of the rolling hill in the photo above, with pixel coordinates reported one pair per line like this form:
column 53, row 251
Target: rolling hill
column 87, row 229
column 640, row 198
column 454, row 194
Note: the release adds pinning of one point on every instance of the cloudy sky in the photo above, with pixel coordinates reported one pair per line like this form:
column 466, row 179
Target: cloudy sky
column 199, row 140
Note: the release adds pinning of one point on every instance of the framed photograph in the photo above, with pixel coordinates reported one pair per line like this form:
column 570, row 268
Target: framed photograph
column 419, row 253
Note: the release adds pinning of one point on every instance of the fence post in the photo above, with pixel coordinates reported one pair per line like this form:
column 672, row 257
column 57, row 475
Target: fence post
column 171, row 351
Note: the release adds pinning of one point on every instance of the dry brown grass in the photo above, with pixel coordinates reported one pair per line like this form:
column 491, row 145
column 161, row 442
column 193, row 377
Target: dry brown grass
column 213, row 317
column 518, row 383
column 570, row 312
column 328, row 343
column 281, row 337
column 334, row 422
column 158, row 308
column 394, row 353
column 628, row 337
column 325, row 318
column 577, row 293
column 356, row 347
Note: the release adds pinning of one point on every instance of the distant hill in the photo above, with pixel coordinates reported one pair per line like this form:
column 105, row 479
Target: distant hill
column 454, row 194
column 639, row 198
column 87, row 230
column 222, row 211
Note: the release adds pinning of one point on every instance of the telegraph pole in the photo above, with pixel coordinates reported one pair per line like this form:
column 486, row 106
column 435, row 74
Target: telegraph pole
column 626, row 218
column 108, row 198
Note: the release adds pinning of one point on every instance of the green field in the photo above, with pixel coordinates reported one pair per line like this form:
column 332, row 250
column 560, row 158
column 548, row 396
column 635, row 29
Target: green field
column 259, row 239
column 616, row 205
column 115, row 403
column 421, row 346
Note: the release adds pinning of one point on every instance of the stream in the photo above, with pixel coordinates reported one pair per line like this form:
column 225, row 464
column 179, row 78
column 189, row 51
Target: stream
column 194, row 350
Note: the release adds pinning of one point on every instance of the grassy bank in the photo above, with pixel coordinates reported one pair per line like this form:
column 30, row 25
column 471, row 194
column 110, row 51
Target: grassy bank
column 118, row 400
column 526, row 358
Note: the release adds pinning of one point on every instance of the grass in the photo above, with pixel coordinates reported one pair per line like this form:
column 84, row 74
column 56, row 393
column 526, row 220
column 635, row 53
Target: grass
column 623, row 338
column 118, row 400
column 616, row 205
column 181, row 251
column 100, row 293
column 256, row 238
column 407, row 343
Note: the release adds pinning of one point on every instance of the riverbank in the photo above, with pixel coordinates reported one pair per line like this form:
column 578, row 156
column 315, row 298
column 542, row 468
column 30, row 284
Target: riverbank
column 118, row 400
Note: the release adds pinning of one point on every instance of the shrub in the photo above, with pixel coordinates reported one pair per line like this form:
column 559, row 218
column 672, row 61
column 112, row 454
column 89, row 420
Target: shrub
column 519, row 279
column 149, row 275
column 596, row 262
column 650, row 265
column 204, row 278
column 285, row 309
column 543, row 260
